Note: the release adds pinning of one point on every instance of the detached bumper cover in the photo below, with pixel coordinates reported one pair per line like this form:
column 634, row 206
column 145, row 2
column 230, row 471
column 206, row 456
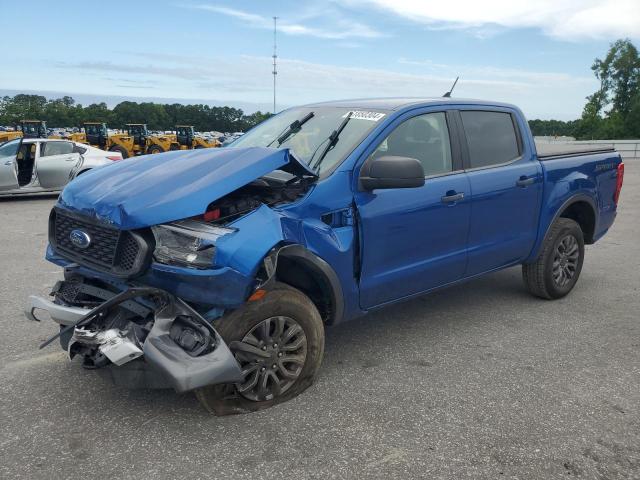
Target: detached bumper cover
column 173, row 365
column 182, row 370
column 58, row 313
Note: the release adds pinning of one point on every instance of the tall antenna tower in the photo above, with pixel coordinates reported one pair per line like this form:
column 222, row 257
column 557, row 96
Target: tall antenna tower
column 275, row 70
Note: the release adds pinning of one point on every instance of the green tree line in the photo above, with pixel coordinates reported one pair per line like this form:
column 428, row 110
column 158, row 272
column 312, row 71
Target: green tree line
column 611, row 112
column 65, row 112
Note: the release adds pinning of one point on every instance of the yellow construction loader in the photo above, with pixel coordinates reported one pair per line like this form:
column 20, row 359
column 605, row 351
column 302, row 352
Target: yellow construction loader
column 33, row 128
column 145, row 143
column 28, row 129
column 96, row 134
column 140, row 135
column 187, row 139
column 11, row 135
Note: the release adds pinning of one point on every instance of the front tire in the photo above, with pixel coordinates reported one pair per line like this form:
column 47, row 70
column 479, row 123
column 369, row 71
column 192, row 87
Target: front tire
column 558, row 266
column 153, row 149
column 279, row 343
column 123, row 151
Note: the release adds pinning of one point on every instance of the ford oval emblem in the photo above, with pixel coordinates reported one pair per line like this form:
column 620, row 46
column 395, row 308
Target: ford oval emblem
column 80, row 239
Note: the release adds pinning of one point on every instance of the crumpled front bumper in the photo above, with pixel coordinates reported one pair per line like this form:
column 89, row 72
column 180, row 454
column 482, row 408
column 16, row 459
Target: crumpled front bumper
column 168, row 363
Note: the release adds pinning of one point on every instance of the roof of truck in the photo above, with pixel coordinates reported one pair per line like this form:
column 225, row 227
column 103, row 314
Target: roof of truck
column 397, row 103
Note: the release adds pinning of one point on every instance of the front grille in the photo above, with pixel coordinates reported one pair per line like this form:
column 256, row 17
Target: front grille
column 127, row 252
column 111, row 250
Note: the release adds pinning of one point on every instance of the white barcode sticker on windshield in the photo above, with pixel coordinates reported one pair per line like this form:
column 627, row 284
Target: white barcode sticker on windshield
column 362, row 115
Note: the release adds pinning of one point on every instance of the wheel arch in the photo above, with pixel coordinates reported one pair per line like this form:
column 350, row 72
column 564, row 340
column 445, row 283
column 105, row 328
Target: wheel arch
column 302, row 269
column 583, row 212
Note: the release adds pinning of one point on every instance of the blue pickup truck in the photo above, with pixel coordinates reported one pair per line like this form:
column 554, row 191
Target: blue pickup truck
column 216, row 271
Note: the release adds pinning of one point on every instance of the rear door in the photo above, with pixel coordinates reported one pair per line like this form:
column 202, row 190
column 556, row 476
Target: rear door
column 8, row 165
column 415, row 239
column 55, row 163
column 506, row 185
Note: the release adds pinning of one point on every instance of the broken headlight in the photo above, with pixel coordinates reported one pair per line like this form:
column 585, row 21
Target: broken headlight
column 187, row 243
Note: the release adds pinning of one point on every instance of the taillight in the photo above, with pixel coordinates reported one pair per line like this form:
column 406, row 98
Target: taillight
column 619, row 179
column 114, row 158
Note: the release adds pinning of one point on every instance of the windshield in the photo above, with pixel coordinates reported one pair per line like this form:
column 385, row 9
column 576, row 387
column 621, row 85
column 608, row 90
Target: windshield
column 308, row 142
column 93, row 129
column 10, row 149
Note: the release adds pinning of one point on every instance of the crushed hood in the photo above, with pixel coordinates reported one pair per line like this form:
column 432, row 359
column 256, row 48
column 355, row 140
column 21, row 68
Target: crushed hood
column 155, row 189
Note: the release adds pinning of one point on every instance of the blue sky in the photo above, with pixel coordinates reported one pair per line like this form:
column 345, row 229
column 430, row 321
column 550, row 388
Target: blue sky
column 536, row 54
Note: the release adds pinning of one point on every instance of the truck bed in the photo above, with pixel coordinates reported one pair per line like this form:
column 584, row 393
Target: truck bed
column 551, row 151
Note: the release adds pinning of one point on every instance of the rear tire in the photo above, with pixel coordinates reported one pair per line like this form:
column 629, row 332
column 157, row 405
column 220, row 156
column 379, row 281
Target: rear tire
column 285, row 316
column 122, row 150
column 557, row 268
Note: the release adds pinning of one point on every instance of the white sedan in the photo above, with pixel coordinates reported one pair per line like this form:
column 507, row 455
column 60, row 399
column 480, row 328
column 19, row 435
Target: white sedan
column 34, row 165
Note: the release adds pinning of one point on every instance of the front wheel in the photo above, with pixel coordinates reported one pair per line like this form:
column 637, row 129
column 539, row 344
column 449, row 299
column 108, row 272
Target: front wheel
column 153, row 149
column 123, row 151
column 278, row 342
column 558, row 266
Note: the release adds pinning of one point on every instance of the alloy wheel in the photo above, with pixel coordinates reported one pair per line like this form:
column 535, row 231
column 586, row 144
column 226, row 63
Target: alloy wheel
column 271, row 357
column 565, row 260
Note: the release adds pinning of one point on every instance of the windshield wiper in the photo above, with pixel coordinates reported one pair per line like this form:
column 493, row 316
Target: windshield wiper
column 293, row 128
column 332, row 140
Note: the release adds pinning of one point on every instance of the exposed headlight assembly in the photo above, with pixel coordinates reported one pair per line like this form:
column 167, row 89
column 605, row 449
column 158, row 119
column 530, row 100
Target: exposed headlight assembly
column 187, row 243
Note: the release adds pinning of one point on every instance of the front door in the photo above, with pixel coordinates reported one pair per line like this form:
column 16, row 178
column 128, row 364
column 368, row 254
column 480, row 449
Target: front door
column 55, row 163
column 414, row 239
column 8, row 165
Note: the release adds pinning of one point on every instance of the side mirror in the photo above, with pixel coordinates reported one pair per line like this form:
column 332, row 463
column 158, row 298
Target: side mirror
column 391, row 172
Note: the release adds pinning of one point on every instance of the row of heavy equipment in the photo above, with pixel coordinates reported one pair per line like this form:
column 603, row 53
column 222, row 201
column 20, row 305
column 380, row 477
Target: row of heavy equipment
column 135, row 140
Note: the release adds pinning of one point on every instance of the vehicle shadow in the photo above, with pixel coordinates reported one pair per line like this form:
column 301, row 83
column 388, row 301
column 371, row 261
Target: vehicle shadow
column 370, row 341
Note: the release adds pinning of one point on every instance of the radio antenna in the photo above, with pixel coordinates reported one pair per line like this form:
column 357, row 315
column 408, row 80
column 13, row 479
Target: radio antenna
column 448, row 94
column 275, row 70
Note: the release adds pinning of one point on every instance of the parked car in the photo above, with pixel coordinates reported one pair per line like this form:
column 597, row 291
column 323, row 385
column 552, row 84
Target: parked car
column 221, row 276
column 36, row 165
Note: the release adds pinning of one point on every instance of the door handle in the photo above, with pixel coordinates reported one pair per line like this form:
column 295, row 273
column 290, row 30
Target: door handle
column 70, row 159
column 525, row 181
column 454, row 197
column 8, row 162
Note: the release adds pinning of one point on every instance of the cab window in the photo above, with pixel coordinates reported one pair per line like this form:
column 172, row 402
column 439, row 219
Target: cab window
column 491, row 137
column 425, row 138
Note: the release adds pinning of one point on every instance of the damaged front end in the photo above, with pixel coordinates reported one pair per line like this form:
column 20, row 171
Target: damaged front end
column 150, row 264
column 141, row 337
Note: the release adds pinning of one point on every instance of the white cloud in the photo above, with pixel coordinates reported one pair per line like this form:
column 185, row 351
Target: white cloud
column 247, row 78
column 564, row 19
column 342, row 28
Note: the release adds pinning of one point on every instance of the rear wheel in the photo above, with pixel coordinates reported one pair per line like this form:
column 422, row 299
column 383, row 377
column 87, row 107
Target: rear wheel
column 558, row 267
column 278, row 342
column 122, row 150
column 155, row 149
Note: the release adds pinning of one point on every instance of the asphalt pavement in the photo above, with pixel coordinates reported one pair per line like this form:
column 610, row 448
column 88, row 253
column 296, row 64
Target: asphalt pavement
column 478, row 381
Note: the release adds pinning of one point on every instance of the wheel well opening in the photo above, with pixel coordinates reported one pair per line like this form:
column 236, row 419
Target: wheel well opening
column 582, row 213
column 310, row 281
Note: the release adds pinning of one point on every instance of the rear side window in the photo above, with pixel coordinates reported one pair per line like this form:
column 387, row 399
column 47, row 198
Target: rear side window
column 491, row 137
column 425, row 138
column 57, row 148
